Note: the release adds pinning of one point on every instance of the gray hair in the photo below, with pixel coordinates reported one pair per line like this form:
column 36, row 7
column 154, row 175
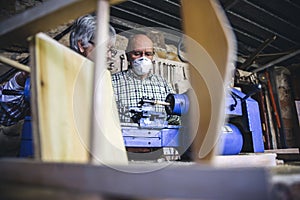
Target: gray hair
column 84, row 29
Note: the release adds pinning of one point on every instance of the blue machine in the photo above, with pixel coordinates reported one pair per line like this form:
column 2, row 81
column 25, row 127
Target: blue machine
column 151, row 129
column 244, row 132
column 231, row 140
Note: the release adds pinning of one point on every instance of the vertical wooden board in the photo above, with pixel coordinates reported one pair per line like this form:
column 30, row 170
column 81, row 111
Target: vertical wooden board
column 61, row 101
column 211, row 50
column 107, row 144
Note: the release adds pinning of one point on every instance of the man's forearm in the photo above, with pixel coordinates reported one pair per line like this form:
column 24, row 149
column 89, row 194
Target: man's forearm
column 15, row 83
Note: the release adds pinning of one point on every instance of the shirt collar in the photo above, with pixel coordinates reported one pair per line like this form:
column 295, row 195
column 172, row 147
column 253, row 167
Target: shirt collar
column 131, row 74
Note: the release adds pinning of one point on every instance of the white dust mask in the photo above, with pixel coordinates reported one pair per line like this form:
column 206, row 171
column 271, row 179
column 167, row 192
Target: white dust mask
column 142, row 66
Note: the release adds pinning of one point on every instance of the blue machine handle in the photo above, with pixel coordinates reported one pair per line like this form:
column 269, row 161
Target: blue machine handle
column 179, row 104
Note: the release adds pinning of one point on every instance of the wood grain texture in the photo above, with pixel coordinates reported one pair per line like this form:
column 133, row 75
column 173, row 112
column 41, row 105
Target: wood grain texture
column 62, row 97
column 107, row 144
column 61, row 101
column 14, row 64
column 211, row 51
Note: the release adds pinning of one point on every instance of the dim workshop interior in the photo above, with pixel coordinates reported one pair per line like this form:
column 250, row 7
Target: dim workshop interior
column 234, row 66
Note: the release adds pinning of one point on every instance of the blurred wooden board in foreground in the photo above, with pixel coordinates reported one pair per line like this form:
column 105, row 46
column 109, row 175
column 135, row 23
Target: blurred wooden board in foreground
column 62, row 92
column 39, row 180
column 59, row 133
column 211, row 51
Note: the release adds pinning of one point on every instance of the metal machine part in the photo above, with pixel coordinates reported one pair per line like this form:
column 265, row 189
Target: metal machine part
column 135, row 136
column 231, row 140
column 151, row 129
column 243, row 112
column 146, row 116
column 178, row 104
column 243, row 133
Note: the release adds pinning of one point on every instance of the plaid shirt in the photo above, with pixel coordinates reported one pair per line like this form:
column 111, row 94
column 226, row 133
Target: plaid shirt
column 12, row 108
column 129, row 91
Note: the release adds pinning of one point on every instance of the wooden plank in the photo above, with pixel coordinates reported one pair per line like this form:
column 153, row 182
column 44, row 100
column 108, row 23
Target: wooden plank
column 211, row 53
column 14, row 64
column 286, row 157
column 246, row 160
column 62, row 94
column 34, row 192
column 61, row 102
column 48, row 15
column 186, row 182
column 16, row 30
column 283, row 151
column 107, row 144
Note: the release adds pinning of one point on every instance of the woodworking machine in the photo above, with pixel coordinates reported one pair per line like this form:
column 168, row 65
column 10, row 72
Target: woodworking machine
column 150, row 128
column 241, row 133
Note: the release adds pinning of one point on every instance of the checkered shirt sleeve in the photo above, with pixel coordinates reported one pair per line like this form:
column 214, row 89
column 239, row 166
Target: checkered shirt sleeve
column 12, row 108
column 12, row 112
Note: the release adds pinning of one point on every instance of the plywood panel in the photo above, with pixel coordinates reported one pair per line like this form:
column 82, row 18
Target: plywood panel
column 61, row 102
column 107, row 144
column 62, row 97
column 211, row 51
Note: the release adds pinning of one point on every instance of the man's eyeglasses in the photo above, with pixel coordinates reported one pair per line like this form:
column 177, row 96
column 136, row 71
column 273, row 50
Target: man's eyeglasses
column 110, row 50
column 141, row 53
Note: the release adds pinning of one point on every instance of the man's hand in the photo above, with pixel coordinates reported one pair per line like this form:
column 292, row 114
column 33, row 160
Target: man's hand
column 21, row 78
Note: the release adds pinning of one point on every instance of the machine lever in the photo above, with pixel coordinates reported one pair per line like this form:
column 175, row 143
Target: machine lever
column 255, row 90
column 156, row 102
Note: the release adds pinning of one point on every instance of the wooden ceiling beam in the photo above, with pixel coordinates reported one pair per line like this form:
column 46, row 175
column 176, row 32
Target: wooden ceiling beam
column 16, row 30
